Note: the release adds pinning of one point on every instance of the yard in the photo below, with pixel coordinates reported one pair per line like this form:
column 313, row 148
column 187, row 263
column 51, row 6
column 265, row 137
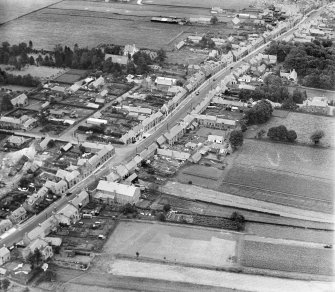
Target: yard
column 303, row 124
column 173, row 243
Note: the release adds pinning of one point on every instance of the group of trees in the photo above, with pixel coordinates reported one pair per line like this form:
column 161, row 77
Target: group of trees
column 16, row 55
column 281, row 133
column 258, row 114
column 314, row 62
column 206, row 42
column 236, row 138
column 25, row 80
column 274, row 90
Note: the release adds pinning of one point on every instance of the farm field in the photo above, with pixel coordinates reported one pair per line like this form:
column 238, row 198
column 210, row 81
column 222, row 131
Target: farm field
column 185, row 56
column 48, row 29
column 290, row 258
column 228, row 4
column 173, row 243
column 11, row 9
column 303, row 124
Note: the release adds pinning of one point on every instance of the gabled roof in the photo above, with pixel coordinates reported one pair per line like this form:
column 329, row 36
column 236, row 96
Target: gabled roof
column 165, row 81
column 82, row 196
column 4, row 251
column 122, row 170
column 131, row 165
column 125, row 190
column 20, row 99
column 68, row 211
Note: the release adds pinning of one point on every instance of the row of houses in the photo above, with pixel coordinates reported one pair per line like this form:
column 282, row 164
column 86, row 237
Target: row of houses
column 22, row 123
column 65, row 180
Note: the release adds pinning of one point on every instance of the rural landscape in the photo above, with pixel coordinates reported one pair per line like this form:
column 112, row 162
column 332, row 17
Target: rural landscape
column 167, row 145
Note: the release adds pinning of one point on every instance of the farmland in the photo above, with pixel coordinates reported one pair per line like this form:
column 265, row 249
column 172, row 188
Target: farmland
column 299, row 259
column 303, row 124
column 172, row 243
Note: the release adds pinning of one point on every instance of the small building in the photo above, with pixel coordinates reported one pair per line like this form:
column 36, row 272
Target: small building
column 18, row 215
column 5, row 225
column 68, row 215
column 164, row 83
column 20, row 101
column 16, row 141
column 98, row 122
column 130, row 50
column 4, row 255
column 215, row 139
column 316, row 105
column 291, row 76
column 66, row 147
column 116, row 192
column 122, row 171
column 98, row 82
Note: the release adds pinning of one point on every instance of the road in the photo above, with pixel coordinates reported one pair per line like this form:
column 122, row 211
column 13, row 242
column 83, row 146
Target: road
column 123, row 154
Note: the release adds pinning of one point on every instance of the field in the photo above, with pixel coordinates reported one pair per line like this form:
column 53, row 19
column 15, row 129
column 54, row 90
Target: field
column 290, row 258
column 303, row 124
column 172, row 243
column 185, row 56
column 285, row 174
column 36, row 71
column 70, row 76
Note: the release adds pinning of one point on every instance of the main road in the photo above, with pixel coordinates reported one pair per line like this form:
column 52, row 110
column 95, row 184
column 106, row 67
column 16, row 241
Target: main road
column 123, row 154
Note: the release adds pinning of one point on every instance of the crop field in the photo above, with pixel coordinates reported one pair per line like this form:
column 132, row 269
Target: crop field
column 288, row 258
column 172, row 243
column 296, row 176
column 228, row 4
column 304, row 125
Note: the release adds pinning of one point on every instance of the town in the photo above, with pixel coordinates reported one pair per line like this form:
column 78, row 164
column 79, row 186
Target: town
column 195, row 152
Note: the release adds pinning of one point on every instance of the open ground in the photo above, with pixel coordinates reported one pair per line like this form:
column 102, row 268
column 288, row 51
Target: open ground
column 177, row 244
column 303, row 124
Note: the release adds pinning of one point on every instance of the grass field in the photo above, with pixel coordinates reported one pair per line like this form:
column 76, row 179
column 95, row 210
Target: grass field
column 288, row 258
column 303, row 124
column 36, row 71
column 172, row 243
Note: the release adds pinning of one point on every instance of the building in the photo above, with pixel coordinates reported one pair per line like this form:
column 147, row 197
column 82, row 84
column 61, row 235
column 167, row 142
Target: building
column 174, row 134
column 215, row 122
column 97, row 122
column 116, row 192
column 316, row 104
column 92, row 147
column 101, row 157
column 4, row 255
column 16, row 141
column 215, row 139
column 58, row 188
column 40, row 244
column 36, row 198
column 81, row 200
column 291, row 76
column 164, row 83
column 20, row 101
column 98, row 82
column 68, row 215
column 11, row 123
column 5, row 225
column 130, row 50
column 18, row 215
column 178, row 155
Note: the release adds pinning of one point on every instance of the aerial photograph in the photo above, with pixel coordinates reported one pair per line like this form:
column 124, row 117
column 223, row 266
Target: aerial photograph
column 167, row 145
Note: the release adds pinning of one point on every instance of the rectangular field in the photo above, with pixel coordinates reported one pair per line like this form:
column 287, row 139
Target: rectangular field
column 172, row 243
column 288, row 258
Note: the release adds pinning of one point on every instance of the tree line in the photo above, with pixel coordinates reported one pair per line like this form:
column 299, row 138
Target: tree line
column 314, row 62
column 25, row 80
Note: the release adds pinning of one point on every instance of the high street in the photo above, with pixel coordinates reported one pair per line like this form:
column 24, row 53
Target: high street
column 123, row 154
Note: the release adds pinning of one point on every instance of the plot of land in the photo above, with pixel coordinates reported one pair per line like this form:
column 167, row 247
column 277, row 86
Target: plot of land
column 173, row 243
column 71, row 76
column 289, row 258
column 36, row 71
column 303, row 124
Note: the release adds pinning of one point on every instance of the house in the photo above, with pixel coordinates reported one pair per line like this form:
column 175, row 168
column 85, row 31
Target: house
column 122, row 60
column 131, row 165
column 59, row 89
column 68, row 215
column 113, row 177
column 174, row 134
column 236, row 20
column 215, row 122
column 11, row 123
column 116, row 192
column 98, row 82
column 194, row 38
column 196, row 157
column 161, row 140
column 30, row 124
column 66, row 147
column 97, row 122
column 58, row 188
column 4, row 255
column 122, row 171
column 291, row 76
column 215, row 139
column 92, row 147
column 81, row 200
column 20, row 101
column 178, row 155
column 316, row 105
column 130, row 50
column 44, row 143
column 18, row 215
column 164, row 83
column 42, row 230
column 5, row 225
column 36, row 198
column 40, row 244
column 58, row 113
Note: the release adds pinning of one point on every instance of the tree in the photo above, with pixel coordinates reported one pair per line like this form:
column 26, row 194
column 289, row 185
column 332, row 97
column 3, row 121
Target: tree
column 236, row 138
column 167, row 208
column 291, row 135
column 6, row 104
column 30, row 45
column 239, row 220
column 289, row 104
column 214, row 20
column 161, row 56
column 259, row 113
column 317, row 136
column 298, row 96
column 31, row 260
column 161, row 217
column 4, row 284
column 38, row 256
column 31, row 60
